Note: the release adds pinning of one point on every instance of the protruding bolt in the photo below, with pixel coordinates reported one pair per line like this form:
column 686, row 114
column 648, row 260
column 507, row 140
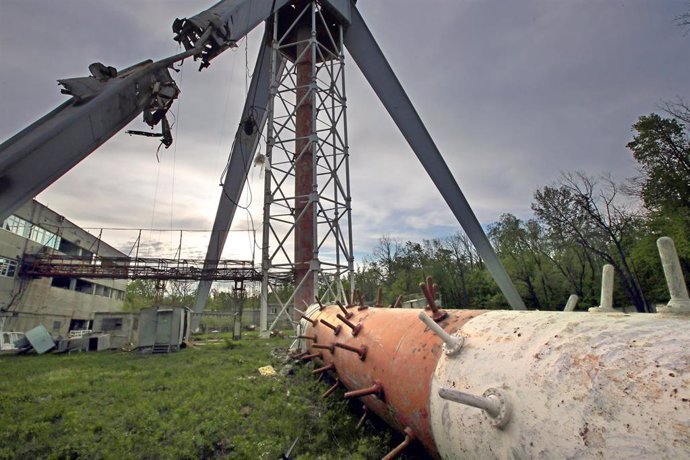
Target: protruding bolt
column 321, row 307
column 572, row 303
column 493, row 402
column 451, row 345
column 361, row 351
column 376, row 389
column 336, row 329
column 326, row 368
column 395, row 453
column 331, row 390
column 398, row 302
column 312, row 356
column 321, row 346
column 362, row 305
column 300, row 355
column 606, row 299
column 312, row 321
column 355, row 327
column 363, row 418
column 307, row 337
column 379, row 297
column 427, row 289
column 680, row 302
column 348, row 314
column 430, row 284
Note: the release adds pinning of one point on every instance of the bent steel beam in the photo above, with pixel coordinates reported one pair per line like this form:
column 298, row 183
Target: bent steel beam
column 246, row 141
column 102, row 105
column 222, row 25
column 373, row 64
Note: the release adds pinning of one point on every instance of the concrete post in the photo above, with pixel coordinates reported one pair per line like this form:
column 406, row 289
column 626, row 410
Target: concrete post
column 606, row 300
column 680, row 302
column 572, row 303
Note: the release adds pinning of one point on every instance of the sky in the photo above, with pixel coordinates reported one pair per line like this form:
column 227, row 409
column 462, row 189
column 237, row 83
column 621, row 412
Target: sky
column 513, row 93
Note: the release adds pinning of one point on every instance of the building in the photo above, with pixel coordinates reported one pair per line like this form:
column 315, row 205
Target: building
column 62, row 304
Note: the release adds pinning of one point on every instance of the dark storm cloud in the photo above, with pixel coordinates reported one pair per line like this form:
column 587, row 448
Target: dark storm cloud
column 512, row 92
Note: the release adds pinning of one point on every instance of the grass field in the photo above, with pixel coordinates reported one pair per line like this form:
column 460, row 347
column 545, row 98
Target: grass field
column 203, row 402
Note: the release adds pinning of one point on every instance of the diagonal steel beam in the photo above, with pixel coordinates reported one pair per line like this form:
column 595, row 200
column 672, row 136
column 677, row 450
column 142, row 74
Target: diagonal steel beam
column 370, row 59
column 246, row 140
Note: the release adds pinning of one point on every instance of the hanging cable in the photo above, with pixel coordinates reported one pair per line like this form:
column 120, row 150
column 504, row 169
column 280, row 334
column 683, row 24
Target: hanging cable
column 177, row 127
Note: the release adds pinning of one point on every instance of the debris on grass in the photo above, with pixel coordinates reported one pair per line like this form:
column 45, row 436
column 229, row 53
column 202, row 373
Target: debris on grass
column 267, row 371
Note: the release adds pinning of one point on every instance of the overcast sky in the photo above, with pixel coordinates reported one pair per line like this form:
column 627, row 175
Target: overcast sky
column 513, row 93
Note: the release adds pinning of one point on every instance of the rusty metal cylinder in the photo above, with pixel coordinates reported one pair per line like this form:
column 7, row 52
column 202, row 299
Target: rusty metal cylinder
column 578, row 385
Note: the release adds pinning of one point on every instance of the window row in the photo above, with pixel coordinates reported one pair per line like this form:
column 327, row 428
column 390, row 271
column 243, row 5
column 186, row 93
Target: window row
column 24, row 228
column 87, row 287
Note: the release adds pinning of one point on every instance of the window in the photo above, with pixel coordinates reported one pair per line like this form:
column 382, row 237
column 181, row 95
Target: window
column 21, row 227
column 61, row 282
column 8, row 267
column 102, row 291
column 111, row 324
column 56, row 326
column 44, row 237
column 84, row 286
column 17, row 225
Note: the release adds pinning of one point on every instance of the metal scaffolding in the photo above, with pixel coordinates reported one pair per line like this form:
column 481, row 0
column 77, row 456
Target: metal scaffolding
column 307, row 225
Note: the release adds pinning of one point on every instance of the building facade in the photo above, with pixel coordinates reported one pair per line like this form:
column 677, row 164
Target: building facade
column 60, row 303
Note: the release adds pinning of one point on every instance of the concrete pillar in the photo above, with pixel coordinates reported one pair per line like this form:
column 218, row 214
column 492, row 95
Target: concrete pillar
column 606, row 300
column 680, row 302
column 572, row 303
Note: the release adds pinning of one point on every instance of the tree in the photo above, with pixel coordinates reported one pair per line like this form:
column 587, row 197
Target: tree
column 591, row 213
column 527, row 255
column 139, row 294
column 662, row 150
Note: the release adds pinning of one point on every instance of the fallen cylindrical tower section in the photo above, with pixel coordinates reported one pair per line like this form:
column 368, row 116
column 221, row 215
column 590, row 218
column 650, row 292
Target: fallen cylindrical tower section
column 522, row 385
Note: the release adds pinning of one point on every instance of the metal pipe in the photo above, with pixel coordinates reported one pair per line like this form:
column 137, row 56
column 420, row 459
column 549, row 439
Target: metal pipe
column 327, row 367
column 335, row 329
column 451, row 345
column 361, row 351
column 376, row 389
column 321, row 346
column 356, row 328
column 400, row 448
column 331, row 390
column 492, row 406
column 348, row 314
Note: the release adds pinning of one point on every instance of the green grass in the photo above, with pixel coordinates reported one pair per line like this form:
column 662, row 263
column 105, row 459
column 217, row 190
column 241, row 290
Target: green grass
column 204, row 402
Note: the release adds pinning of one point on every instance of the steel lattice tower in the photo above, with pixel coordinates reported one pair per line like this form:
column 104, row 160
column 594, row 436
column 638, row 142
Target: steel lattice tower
column 307, row 225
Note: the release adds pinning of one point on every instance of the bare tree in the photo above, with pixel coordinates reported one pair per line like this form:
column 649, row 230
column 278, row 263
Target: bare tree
column 590, row 212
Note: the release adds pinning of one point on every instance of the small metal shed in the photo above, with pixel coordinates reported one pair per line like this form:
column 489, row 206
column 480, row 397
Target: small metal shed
column 164, row 329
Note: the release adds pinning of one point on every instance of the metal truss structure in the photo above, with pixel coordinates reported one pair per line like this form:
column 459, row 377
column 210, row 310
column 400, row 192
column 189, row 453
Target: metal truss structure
column 307, row 225
column 137, row 268
column 298, row 80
